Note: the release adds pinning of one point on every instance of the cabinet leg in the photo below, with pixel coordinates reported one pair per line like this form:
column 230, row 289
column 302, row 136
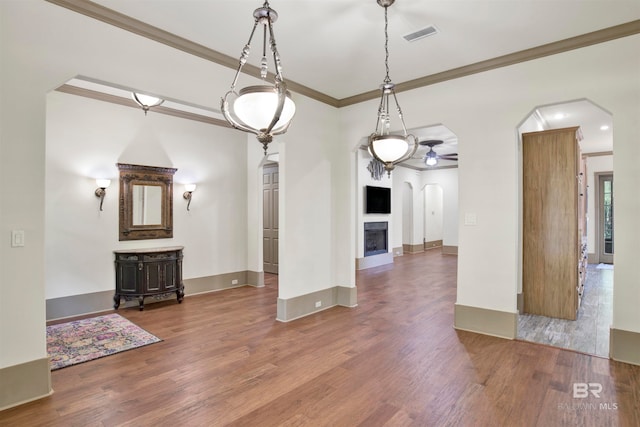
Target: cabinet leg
column 180, row 295
column 141, row 302
column 116, row 301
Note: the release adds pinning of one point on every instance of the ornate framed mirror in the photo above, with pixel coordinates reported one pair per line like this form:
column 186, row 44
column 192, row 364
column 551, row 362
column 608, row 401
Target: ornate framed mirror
column 146, row 202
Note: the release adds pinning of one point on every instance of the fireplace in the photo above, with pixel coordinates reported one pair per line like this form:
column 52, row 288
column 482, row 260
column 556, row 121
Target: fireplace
column 375, row 238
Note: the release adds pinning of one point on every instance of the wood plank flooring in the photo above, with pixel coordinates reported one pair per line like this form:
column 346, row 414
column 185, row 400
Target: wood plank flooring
column 395, row 360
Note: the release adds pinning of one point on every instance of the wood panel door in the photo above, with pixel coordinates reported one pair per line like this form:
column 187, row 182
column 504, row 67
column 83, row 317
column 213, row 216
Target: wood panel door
column 270, row 180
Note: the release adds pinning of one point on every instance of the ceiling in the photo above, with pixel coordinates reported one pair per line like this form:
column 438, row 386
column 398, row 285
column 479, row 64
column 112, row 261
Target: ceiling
column 336, row 47
column 596, row 126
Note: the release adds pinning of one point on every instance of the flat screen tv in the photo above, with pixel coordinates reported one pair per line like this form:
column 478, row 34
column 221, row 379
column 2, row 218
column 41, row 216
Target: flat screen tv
column 377, row 200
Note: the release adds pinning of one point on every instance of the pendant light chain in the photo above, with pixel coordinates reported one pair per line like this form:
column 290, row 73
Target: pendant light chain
column 385, row 146
column 387, row 79
column 264, row 69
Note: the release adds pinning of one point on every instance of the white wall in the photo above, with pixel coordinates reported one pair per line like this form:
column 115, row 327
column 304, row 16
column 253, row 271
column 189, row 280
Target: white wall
column 447, row 179
column 410, row 208
column 313, row 207
column 363, row 179
column 415, row 180
column 316, row 242
column 85, row 139
column 433, row 212
column 407, row 222
column 484, row 111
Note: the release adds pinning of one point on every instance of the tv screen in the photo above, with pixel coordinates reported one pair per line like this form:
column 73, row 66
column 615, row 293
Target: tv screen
column 377, row 200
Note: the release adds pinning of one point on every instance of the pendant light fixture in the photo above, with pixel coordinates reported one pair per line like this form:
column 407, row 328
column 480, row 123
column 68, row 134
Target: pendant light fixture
column 431, row 158
column 146, row 101
column 390, row 149
column 264, row 110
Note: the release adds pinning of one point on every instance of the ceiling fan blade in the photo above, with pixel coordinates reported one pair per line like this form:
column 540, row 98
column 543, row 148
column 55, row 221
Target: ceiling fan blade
column 448, row 157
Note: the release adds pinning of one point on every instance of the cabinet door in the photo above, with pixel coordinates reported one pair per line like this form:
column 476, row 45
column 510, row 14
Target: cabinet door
column 169, row 276
column 127, row 277
column 152, row 277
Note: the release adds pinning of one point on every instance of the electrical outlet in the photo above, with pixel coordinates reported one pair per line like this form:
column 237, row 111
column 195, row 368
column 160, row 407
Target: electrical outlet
column 318, row 304
column 234, row 282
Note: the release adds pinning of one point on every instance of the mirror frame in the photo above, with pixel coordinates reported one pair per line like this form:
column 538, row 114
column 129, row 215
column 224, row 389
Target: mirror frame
column 131, row 175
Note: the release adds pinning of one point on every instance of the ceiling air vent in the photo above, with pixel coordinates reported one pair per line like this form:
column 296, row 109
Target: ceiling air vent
column 416, row 35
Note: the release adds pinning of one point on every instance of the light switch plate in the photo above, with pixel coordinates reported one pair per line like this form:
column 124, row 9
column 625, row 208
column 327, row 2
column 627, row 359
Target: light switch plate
column 17, row 238
column 470, row 219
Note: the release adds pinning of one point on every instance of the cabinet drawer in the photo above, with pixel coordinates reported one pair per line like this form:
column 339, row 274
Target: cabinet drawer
column 165, row 256
column 127, row 257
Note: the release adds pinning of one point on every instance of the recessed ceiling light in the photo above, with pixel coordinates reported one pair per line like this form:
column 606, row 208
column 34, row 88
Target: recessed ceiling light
column 604, row 127
column 559, row 116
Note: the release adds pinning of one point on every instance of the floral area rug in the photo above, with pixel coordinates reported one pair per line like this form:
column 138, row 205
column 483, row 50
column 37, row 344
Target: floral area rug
column 88, row 339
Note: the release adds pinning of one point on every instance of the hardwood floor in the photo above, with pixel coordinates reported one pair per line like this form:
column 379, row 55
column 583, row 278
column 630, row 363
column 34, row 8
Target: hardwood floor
column 395, row 360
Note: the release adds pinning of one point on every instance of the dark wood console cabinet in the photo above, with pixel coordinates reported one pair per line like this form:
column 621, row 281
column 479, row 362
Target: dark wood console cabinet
column 142, row 273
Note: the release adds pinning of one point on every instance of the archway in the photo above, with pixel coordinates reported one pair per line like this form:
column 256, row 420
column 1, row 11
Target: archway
column 589, row 332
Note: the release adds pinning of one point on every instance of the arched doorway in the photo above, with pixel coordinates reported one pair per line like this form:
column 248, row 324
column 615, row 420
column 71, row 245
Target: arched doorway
column 589, row 332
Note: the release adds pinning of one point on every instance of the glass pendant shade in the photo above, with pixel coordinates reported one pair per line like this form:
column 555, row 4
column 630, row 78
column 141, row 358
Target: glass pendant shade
column 262, row 110
column 431, row 160
column 146, row 101
column 390, row 148
column 256, row 107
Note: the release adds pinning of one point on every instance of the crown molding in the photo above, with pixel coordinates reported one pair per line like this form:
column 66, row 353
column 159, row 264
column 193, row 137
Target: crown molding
column 584, row 40
column 101, row 96
column 111, row 17
column 425, row 168
column 120, row 20
column 597, row 154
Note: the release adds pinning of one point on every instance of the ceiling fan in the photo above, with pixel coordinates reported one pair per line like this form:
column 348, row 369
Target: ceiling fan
column 431, row 157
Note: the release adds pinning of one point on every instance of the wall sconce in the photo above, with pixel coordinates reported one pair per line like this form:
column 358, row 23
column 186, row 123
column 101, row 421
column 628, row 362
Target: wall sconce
column 101, row 190
column 188, row 190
